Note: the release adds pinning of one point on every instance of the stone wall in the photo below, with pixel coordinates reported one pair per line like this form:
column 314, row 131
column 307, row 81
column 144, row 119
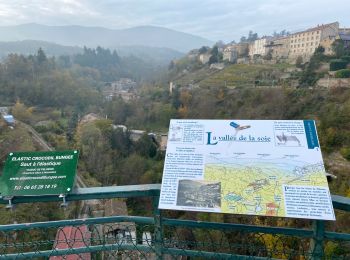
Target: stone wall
column 333, row 83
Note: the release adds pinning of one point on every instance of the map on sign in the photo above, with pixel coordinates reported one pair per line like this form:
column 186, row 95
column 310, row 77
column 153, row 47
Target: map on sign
column 38, row 173
column 253, row 167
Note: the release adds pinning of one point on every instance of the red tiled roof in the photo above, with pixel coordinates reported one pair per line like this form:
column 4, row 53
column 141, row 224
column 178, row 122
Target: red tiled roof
column 72, row 237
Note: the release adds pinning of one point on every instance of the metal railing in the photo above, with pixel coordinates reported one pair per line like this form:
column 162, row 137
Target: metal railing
column 162, row 237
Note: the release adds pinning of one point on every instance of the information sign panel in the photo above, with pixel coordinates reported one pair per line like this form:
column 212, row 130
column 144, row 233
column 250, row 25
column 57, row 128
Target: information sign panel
column 39, row 173
column 253, row 167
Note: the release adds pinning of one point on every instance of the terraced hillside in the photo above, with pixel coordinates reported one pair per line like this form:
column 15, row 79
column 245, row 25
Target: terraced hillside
column 236, row 75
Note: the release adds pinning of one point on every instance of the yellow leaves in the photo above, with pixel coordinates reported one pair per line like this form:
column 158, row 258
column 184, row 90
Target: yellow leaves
column 185, row 97
column 183, row 112
column 21, row 112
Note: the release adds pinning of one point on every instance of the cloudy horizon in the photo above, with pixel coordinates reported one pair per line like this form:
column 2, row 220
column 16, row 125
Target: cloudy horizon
column 226, row 21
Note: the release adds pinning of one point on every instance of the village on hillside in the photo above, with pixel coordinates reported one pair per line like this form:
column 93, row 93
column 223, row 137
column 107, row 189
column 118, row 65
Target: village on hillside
column 315, row 57
column 286, row 47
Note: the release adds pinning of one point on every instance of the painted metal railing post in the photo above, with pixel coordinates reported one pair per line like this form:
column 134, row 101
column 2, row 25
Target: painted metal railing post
column 158, row 231
column 316, row 245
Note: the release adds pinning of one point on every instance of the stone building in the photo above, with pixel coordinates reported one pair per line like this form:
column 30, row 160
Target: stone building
column 345, row 38
column 279, row 47
column 304, row 43
column 326, row 43
column 258, row 47
column 230, row 54
column 242, row 49
column 344, row 31
column 204, row 58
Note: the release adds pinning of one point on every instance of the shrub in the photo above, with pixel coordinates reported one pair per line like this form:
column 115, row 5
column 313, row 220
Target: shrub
column 346, row 58
column 345, row 152
column 299, row 62
column 344, row 73
column 337, row 64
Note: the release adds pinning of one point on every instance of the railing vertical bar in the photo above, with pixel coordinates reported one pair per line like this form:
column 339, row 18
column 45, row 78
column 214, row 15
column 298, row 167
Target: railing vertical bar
column 158, row 232
column 316, row 245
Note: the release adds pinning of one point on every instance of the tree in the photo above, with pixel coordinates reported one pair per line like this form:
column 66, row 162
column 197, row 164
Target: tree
column 121, row 143
column 41, row 56
column 338, row 48
column 95, row 151
column 299, row 62
column 252, row 36
column 21, row 112
column 220, row 44
column 268, row 55
column 203, row 49
column 214, row 55
column 344, row 73
column 243, row 39
column 337, row 64
column 171, row 65
column 146, row 147
column 213, row 59
column 131, row 169
column 319, row 50
column 214, row 51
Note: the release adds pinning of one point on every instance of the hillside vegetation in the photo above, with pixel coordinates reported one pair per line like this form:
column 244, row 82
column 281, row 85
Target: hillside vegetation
column 234, row 75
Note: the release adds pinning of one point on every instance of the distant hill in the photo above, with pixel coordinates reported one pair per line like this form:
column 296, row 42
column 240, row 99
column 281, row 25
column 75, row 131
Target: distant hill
column 27, row 47
column 161, row 56
column 149, row 36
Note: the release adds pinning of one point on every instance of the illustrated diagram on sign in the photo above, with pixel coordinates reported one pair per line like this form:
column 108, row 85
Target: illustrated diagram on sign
column 238, row 127
column 175, row 133
column 287, row 140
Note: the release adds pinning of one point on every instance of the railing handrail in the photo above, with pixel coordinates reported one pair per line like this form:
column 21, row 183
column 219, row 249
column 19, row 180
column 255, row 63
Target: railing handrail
column 127, row 191
column 317, row 233
column 109, row 192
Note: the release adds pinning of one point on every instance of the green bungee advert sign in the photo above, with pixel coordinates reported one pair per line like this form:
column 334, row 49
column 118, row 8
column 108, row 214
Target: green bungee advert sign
column 39, row 173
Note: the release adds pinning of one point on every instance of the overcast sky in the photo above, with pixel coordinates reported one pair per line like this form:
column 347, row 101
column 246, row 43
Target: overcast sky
column 213, row 19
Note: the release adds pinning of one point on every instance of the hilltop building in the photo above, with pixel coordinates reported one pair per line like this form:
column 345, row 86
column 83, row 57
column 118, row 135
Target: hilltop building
column 230, row 54
column 204, row 58
column 279, row 48
column 287, row 47
column 346, row 39
column 242, row 49
column 259, row 47
column 304, row 43
column 344, row 31
column 326, row 43
column 193, row 54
